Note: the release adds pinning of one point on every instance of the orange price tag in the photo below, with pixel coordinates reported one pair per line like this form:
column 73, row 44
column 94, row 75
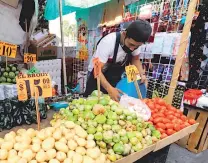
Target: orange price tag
column 97, row 67
column 8, row 50
column 131, row 72
column 28, row 83
column 30, row 58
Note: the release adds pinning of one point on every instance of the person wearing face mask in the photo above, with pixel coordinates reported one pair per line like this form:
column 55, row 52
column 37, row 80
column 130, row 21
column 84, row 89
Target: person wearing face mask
column 115, row 51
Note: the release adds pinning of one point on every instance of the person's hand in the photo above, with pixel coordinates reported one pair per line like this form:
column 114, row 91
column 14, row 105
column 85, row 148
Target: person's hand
column 115, row 94
column 144, row 80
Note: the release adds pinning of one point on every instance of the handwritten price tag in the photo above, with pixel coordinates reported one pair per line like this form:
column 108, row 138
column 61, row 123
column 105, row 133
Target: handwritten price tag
column 30, row 58
column 131, row 72
column 97, row 67
column 8, row 50
column 27, row 84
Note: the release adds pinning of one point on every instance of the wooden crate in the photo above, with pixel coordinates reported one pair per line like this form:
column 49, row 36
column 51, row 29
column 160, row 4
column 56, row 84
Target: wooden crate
column 197, row 141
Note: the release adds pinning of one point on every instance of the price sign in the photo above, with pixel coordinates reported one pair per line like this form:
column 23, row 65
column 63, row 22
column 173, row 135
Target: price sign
column 131, row 72
column 30, row 58
column 97, row 67
column 8, row 50
column 27, row 84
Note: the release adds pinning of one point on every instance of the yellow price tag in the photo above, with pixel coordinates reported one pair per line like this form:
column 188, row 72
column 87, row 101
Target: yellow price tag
column 30, row 58
column 8, row 50
column 28, row 83
column 131, row 72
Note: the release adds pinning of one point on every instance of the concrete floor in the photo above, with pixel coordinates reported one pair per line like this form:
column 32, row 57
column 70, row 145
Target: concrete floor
column 180, row 155
column 176, row 153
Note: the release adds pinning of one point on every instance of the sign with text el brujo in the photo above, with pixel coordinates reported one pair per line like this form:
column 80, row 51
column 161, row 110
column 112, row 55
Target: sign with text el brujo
column 27, row 84
column 8, row 50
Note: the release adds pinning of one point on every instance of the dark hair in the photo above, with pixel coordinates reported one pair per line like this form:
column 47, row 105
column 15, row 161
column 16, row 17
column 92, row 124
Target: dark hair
column 139, row 30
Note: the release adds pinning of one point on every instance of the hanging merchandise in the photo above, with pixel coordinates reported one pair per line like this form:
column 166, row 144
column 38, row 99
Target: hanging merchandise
column 145, row 12
column 28, row 9
column 82, row 17
column 198, row 39
column 42, row 22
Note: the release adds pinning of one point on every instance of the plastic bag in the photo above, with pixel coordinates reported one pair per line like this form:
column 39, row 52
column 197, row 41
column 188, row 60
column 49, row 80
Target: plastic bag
column 136, row 105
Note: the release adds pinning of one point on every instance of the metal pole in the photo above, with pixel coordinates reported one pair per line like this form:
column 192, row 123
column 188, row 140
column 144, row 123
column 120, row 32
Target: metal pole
column 63, row 48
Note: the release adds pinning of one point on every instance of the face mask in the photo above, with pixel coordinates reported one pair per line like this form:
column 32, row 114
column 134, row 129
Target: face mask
column 126, row 49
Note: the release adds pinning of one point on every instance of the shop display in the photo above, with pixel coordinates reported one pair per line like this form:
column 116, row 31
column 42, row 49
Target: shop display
column 65, row 142
column 166, row 118
column 15, row 113
column 117, row 130
column 8, row 74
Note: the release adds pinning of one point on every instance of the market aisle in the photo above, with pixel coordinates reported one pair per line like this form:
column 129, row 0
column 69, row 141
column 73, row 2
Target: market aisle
column 180, row 155
column 44, row 123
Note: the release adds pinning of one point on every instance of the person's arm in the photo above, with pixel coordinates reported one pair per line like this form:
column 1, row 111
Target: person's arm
column 104, row 50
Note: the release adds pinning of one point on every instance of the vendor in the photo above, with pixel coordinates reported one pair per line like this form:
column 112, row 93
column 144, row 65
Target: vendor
column 115, row 51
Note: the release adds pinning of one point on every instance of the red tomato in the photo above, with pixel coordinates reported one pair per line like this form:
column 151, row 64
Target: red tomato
column 161, row 125
column 145, row 100
column 176, row 121
column 164, row 135
column 169, row 125
column 151, row 105
column 183, row 118
column 156, row 110
column 191, row 121
column 170, row 132
column 170, row 113
column 157, row 106
column 158, row 115
column 182, row 126
column 165, row 120
column 151, row 119
column 171, row 108
column 179, row 111
column 157, row 120
column 186, row 124
column 177, row 115
column 161, row 130
column 177, row 127
column 170, row 117
column 161, row 101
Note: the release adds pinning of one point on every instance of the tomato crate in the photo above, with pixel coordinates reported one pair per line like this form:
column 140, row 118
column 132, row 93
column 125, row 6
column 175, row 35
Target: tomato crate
column 197, row 141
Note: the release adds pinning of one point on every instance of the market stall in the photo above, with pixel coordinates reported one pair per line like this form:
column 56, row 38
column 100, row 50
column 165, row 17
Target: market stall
column 97, row 129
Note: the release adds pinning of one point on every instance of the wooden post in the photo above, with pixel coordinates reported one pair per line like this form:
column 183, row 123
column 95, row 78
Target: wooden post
column 182, row 49
column 63, row 48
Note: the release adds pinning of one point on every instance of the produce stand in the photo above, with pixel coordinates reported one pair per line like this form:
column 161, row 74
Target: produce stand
column 159, row 145
column 136, row 156
column 197, row 141
column 25, row 114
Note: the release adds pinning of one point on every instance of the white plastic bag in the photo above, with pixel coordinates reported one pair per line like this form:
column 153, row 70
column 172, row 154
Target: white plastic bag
column 136, row 105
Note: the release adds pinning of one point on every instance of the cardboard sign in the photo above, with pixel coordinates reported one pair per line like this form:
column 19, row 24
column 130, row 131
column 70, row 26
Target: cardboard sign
column 30, row 58
column 28, row 83
column 131, row 72
column 97, row 67
column 8, row 50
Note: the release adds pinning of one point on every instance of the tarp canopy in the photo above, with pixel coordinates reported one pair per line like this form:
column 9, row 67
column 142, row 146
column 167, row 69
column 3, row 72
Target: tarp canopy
column 68, row 6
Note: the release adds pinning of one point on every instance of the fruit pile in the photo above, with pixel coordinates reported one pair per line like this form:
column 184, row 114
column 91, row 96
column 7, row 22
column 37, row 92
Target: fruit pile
column 8, row 74
column 166, row 118
column 117, row 131
column 66, row 142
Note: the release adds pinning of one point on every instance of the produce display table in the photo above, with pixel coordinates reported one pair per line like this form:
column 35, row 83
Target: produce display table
column 14, row 113
column 197, row 141
column 157, row 153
